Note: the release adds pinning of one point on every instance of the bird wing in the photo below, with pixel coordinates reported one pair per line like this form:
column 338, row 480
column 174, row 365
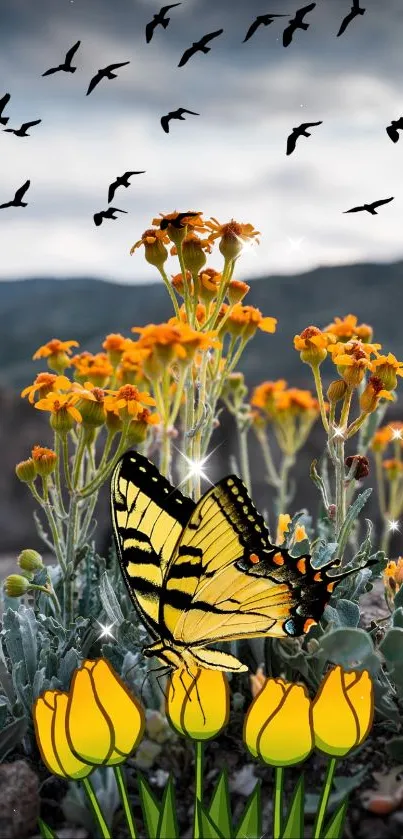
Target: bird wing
column 393, row 133
column 165, row 122
column 382, row 201
column 116, row 66
column 304, row 11
column 94, row 81
column 111, row 191
column 70, row 53
column 287, row 35
column 21, row 191
column 252, row 29
column 186, row 55
column 186, row 111
column 206, row 38
column 3, row 101
column 150, row 30
column 310, row 124
column 26, row 125
column 98, row 218
column 345, row 22
column 51, row 71
column 166, row 9
column 291, row 142
column 354, row 210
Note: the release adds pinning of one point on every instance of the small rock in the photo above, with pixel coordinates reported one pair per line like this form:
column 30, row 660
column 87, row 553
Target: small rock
column 19, row 800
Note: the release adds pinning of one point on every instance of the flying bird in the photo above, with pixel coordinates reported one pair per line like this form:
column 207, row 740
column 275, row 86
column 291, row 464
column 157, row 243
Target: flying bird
column 17, row 200
column 109, row 213
column 299, row 131
column 393, row 129
column 178, row 114
column 355, row 11
column 159, row 19
column 3, row 102
column 177, row 221
column 297, row 22
column 105, row 73
column 121, row 180
column 199, row 46
column 261, row 20
column 23, row 130
column 66, row 65
column 370, row 208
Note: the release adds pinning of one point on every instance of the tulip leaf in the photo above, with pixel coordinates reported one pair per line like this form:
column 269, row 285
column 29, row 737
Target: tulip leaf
column 46, row 831
column 150, row 807
column 343, row 785
column 207, row 828
column 250, row 823
column 294, row 824
column 220, row 807
column 168, row 827
column 334, row 829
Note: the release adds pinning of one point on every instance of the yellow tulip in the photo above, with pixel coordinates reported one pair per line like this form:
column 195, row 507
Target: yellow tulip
column 104, row 721
column 278, row 726
column 49, row 713
column 198, row 703
column 342, row 711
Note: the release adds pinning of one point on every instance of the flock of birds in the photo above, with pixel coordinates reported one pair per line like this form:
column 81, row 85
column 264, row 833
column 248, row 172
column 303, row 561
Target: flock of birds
column 161, row 19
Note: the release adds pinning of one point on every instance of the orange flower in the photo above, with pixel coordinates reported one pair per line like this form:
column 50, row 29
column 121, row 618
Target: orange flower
column 193, row 250
column 44, row 459
column 352, row 359
column 57, row 353
column 128, row 401
column 200, row 313
column 347, row 328
column 44, row 384
column 130, row 370
column 91, row 404
column 93, row 368
column 374, row 391
column 264, row 395
column 296, row 401
column 387, row 368
column 174, row 222
column 62, row 409
column 233, row 235
column 236, row 291
column 115, row 345
column 393, row 577
column 312, row 344
column 257, row 681
column 154, row 242
column 175, row 339
column 138, row 427
column 178, row 284
column 393, row 468
column 381, row 439
column 245, row 320
column 209, row 284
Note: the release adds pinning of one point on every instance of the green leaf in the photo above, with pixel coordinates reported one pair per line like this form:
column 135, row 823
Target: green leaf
column 11, row 735
column 349, row 613
column 46, row 831
column 168, row 826
column 343, row 785
column 294, row 825
column 208, row 830
column 352, row 648
column 250, row 823
column 352, row 513
column 334, row 829
column 150, row 807
column 398, row 598
column 397, row 617
column 395, row 748
column 4, row 708
column 109, row 600
column 220, row 807
column 392, row 645
column 324, row 552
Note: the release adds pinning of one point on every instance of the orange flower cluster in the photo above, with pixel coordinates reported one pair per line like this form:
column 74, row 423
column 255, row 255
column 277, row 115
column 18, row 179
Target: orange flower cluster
column 276, row 400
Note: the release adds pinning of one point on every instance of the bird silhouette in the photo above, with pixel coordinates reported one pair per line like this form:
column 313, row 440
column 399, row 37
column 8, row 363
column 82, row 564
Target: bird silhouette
column 199, row 46
column 105, row 73
column 159, row 19
column 178, row 114
column 17, row 200
column 3, row 102
column 393, row 129
column 66, row 65
column 121, row 180
column 261, row 20
column 299, row 131
column 177, row 221
column 23, row 130
column 109, row 213
column 355, row 11
column 297, row 22
column 370, row 208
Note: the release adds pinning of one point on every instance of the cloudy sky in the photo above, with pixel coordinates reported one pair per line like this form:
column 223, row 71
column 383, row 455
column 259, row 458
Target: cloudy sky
column 229, row 161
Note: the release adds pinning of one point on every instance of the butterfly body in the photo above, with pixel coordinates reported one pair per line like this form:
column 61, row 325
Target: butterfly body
column 206, row 572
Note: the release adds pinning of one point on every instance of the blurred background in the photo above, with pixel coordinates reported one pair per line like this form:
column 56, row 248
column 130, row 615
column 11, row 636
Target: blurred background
column 61, row 276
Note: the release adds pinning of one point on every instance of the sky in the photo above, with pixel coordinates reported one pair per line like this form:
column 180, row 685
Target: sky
column 228, row 162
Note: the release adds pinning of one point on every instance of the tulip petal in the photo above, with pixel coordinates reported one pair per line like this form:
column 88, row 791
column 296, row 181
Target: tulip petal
column 198, row 702
column 70, row 765
column 361, row 696
column 42, row 713
column 90, row 732
column 335, row 722
column 260, row 711
column 125, row 713
column 287, row 737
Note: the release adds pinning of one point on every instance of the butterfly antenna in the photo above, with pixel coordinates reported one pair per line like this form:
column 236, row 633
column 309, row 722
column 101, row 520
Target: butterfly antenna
column 163, row 671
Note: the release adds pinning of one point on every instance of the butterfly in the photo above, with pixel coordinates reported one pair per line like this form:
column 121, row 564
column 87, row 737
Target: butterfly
column 207, row 572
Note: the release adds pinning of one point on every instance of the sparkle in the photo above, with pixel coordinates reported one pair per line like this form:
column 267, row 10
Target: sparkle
column 106, row 630
column 248, row 246
column 339, row 432
column 396, row 433
column 295, row 244
column 196, row 467
column 393, row 525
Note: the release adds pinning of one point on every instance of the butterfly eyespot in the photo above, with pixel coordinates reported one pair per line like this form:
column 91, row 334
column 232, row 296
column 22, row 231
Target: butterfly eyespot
column 278, row 558
column 330, row 587
column 308, row 623
column 301, row 565
column 290, row 627
column 254, row 558
column 318, row 577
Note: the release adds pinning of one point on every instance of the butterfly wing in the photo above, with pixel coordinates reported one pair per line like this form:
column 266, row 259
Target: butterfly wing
column 227, row 581
column 148, row 517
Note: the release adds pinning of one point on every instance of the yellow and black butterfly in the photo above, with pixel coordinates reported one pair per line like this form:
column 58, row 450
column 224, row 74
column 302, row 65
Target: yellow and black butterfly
column 206, row 572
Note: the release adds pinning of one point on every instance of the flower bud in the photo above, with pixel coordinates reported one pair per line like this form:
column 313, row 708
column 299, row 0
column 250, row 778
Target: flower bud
column 92, row 411
column 370, row 396
column 25, row 471
column 312, row 345
column 30, row 560
column 15, row 585
column 193, row 253
column 44, row 460
column 114, row 345
column 236, row 291
column 49, row 713
column 336, row 390
column 361, row 464
column 155, row 252
column 198, row 703
column 342, row 711
column 277, row 726
column 113, row 422
column 61, row 421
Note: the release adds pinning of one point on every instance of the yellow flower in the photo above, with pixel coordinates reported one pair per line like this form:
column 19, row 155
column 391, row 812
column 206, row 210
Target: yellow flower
column 209, row 284
column 284, row 520
column 57, row 353
column 92, row 368
column 154, row 248
column 342, row 711
column 44, row 459
column 245, row 320
column 179, row 285
column 104, row 721
column 373, row 392
column 346, row 328
column 173, row 340
column 177, row 224
column 128, row 401
column 296, row 402
column 138, row 428
column 352, row 360
column 49, row 713
column 198, row 703
column 263, row 395
column 44, row 384
column 381, row 439
column 115, row 345
column 312, row 345
column 91, row 405
column 62, row 409
column 236, row 291
column 393, row 577
column 277, row 726
column 387, row 368
column 232, row 236
column 393, row 468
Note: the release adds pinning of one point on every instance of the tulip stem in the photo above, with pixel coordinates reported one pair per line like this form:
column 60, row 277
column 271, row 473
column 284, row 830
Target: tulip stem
column 120, row 780
column 278, row 801
column 95, row 809
column 324, row 799
column 198, row 786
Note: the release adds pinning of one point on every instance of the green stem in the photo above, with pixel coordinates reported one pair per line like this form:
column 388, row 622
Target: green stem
column 324, row 799
column 319, row 391
column 340, row 485
column 121, row 784
column 227, row 273
column 70, row 556
column 288, row 462
column 356, row 425
column 65, row 448
column 272, row 476
column 104, row 474
column 244, row 456
column 278, row 802
column 79, row 456
column 186, row 295
column 47, row 507
column 95, row 809
column 170, row 291
column 59, row 492
column 381, row 483
column 198, row 786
